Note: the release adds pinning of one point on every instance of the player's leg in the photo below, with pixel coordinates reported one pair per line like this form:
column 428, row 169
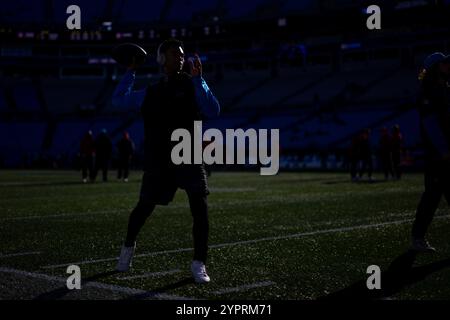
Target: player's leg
column 126, row 168
column 200, row 227
column 105, row 170
column 84, row 168
column 369, row 166
column 200, row 230
column 119, row 169
column 92, row 168
column 425, row 211
column 138, row 216
column 135, row 222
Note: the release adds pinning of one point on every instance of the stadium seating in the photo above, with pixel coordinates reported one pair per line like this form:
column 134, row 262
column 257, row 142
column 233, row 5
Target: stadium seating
column 68, row 96
column 25, row 97
column 20, row 140
column 22, row 12
column 131, row 11
column 3, row 104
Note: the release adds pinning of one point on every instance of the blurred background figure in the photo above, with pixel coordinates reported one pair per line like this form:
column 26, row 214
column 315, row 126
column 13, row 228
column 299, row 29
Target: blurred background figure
column 125, row 149
column 87, row 154
column 397, row 147
column 385, row 154
column 103, row 147
column 354, row 156
column 365, row 152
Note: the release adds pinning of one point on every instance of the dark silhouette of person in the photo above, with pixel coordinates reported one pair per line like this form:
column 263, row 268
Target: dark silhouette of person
column 354, row 155
column 365, row 153
column 87, row 154
column 397, row 148
column 125, row 150
column 103, row 148
column 385, row 153
column 176, row 101
column 434, row 110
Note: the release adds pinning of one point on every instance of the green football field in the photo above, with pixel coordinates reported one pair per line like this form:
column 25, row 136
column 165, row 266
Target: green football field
column 293, row 236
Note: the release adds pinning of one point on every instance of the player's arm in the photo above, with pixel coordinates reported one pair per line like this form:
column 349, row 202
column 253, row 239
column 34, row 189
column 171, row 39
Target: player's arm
column 433, row 130
column 435, row 134
column 124, row 96
column 207, row 102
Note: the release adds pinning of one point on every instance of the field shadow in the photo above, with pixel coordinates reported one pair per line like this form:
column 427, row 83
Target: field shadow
column 63, row 291
column 399, row 274
column 155, row 292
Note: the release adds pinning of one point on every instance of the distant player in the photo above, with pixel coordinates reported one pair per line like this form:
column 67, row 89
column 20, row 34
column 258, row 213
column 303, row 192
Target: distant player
column 435, row 126
column 385, row 148
column 175, row 102
column 87, row 154
column 103, row 152
column 365, row 153
column 397, row 147
column 125, row 150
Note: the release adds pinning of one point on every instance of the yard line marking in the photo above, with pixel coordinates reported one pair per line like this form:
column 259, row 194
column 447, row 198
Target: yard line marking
column 19, row 254
column 229, row 244
column 60, row 215
column 231, row 189
column 113, row 259
column 150, row 275
column 244, row 287
column 97, row 285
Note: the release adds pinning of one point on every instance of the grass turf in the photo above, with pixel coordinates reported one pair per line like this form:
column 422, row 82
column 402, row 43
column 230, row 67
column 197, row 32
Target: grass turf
column 312, row 235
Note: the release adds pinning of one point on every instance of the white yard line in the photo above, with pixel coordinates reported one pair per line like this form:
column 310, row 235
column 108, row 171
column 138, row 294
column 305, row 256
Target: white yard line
column 62, row 215
column 229, row 244
column 151, row 275
column 19, row 254
column 97, row 285
column 244, row 287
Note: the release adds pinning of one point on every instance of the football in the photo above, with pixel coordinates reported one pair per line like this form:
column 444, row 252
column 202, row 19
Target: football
column 124, row 53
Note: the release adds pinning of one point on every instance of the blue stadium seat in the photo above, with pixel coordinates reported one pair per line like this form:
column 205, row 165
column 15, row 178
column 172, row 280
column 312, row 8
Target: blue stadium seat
column 25, row 97
column 68, row 135
column 3, row 103
column 20, row 139
column 22, row 11
column 138, row 10
column 184, row 10
column 66, row 96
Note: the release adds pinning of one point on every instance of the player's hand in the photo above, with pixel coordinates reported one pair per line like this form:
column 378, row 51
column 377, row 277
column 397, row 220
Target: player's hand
column 133, row 66
column 195, row 66
column 446, row 157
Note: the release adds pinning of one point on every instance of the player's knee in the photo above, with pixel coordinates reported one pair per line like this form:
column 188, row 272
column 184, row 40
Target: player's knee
column 143, row 208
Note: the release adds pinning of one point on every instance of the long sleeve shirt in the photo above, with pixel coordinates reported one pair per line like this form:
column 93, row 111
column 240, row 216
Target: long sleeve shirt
column 125, row 97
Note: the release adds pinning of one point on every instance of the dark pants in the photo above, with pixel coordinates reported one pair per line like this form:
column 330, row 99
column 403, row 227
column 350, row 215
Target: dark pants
column 159, row 187
column 123, row 168
column 386, row 165
column 396, row 157
column 200, row 228
column 366, row 163
column 437, row 183
column 87, row 167
column 102, row 164
column 353, row 166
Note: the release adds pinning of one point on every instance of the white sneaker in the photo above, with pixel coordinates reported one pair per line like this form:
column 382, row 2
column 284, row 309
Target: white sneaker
column 126, row 179
column 198, row 270
column 125, row 259
column 84, row 180
column 421, row 245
